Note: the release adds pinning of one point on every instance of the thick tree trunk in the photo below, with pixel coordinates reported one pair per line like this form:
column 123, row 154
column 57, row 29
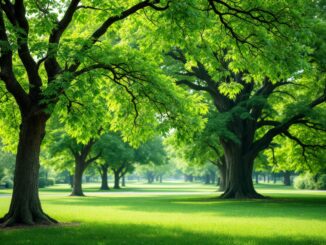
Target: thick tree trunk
column 25, row 207
column 77, row 189
column 239, row 174
column 116, row 180
column 104, row 178
column 287, row 178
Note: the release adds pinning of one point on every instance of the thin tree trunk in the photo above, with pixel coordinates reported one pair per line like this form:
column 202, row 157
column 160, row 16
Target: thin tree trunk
column 71, row 180
column 191, row 178
column 207, row 179
column 116, row 180
column 104, row 178
column 213, row 177
column 123, row 181
column 161, row 178
column 222, row 173
column 25, row 207
column 239, row 174
column 77, row 189
column 287, row 178
column 257, row 177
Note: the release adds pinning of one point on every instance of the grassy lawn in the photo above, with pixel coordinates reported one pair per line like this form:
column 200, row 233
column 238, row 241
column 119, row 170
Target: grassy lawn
column 146, row 217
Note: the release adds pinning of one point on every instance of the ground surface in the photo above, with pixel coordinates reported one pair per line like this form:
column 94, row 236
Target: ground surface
column 175, row 213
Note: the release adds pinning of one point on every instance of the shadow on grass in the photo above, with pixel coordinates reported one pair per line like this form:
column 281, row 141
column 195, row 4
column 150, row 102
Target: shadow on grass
column 138, row 234
column 311, row 208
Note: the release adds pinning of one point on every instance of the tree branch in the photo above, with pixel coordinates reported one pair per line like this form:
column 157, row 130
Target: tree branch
column 6, row 72
column 303, row 145
column 265, row 141
column 51, row 64
column 113, row 19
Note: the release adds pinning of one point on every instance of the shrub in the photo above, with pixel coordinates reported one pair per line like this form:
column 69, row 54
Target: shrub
column 321, row 183
column 305, row 182
column 299, row 182
column 7, row 182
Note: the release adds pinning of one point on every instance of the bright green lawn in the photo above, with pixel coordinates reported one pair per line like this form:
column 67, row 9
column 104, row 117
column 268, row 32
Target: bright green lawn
column 290, row 217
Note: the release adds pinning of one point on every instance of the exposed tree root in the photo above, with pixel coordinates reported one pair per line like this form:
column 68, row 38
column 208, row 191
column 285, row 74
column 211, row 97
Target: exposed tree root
column 239, row 194
column 29, row 218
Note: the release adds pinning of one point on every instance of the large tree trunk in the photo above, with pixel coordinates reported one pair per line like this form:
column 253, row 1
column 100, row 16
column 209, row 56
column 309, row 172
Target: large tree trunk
column 239, row 173
column 116, row 180
column 104, row 177
column 77, row 189
column 25, row 207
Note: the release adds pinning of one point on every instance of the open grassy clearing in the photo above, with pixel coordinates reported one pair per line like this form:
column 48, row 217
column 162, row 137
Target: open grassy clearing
column 145, row 217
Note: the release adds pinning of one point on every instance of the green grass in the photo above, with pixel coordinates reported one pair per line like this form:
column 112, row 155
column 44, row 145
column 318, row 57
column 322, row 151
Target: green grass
column 146, row 217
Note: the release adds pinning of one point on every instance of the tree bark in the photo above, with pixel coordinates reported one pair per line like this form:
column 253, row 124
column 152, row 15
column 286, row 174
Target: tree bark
column 116, row 180
column 25, row 207
column 104, row 177
column 239, row 183
column 77, row 189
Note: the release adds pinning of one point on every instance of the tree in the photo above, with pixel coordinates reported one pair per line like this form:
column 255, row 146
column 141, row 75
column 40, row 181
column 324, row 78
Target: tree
column 116, row 155
column 55, row 56
column 103, row 170
column 246, row 91
column 63, row 145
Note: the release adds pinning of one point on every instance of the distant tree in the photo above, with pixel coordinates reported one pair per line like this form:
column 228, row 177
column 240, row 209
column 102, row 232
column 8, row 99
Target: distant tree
column 116, row 155
column 82, row 155
column 152, row 155
column 7, row 164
